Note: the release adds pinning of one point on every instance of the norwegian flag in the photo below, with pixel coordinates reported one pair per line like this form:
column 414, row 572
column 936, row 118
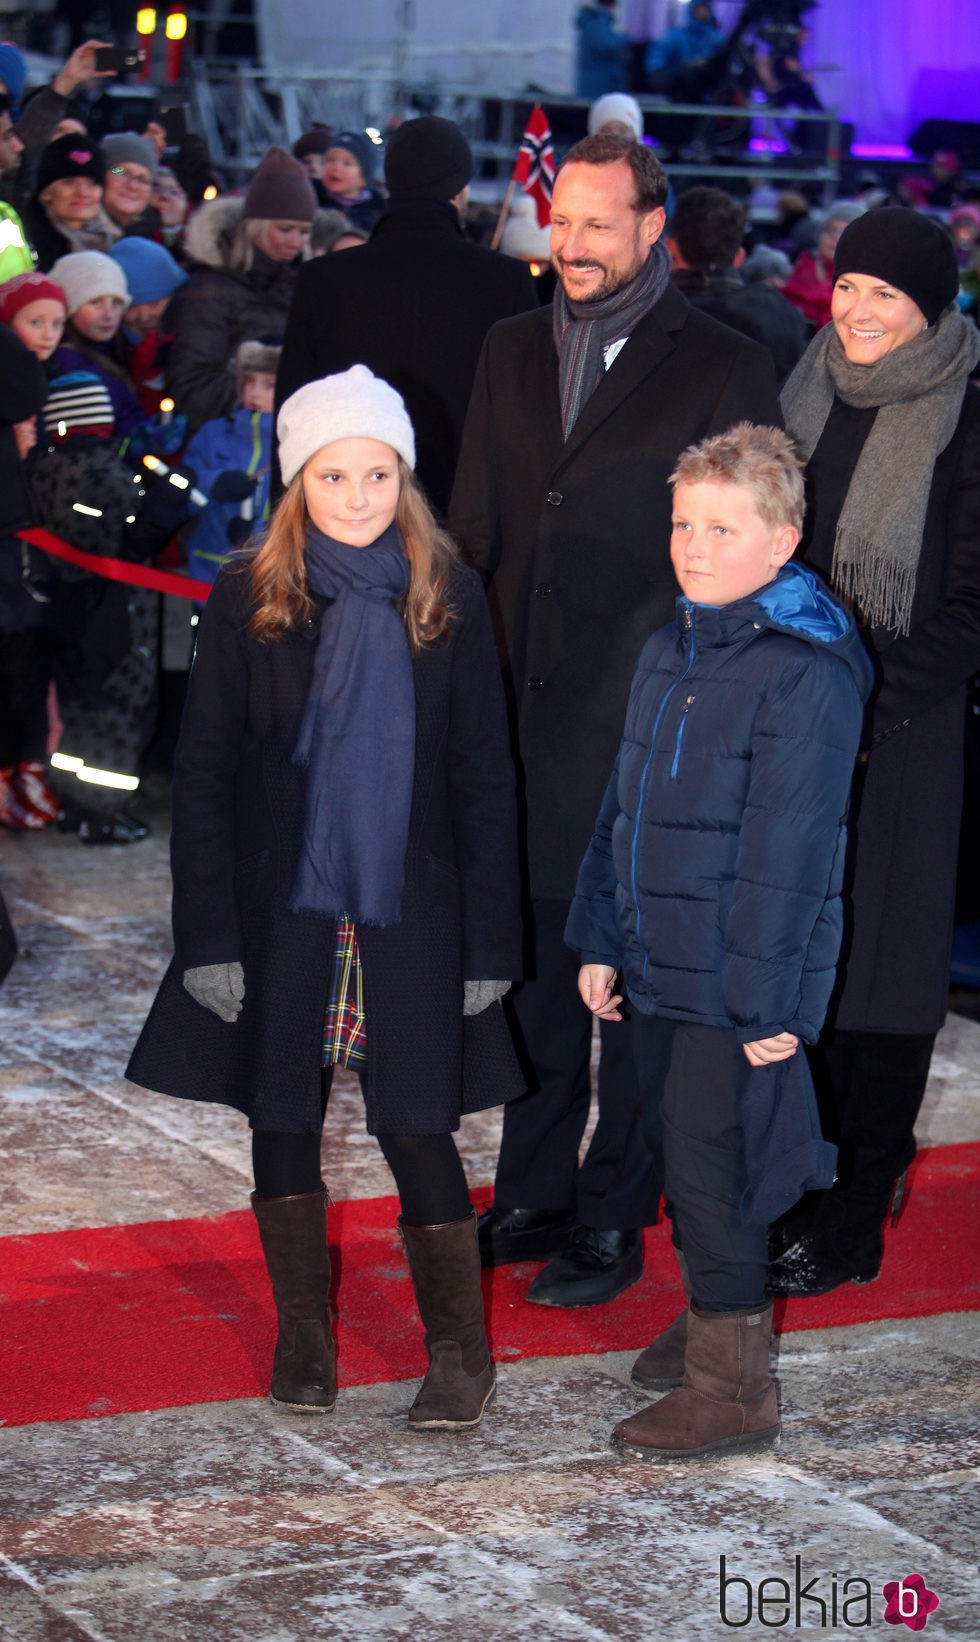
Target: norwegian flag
column 535, row 168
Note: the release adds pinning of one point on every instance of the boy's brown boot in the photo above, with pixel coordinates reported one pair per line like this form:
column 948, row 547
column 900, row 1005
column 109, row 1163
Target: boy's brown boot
column 293, row 1231
column 727, row 1401
column 445, row 1265
column 661, row 1366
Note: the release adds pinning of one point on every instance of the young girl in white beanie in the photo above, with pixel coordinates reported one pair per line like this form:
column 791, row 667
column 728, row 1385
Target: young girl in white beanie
column 345, row 876
column 98, row 296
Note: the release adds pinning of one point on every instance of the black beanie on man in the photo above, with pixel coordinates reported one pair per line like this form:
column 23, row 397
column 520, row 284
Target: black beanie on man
column 903, row 248
column 428, row 158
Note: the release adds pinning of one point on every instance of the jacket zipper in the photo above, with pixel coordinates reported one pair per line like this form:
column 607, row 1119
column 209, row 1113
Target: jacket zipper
column 680, row 737
column 644, row 777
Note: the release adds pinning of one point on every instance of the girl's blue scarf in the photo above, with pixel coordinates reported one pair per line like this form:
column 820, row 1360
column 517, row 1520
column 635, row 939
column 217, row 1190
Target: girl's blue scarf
column 357, row 737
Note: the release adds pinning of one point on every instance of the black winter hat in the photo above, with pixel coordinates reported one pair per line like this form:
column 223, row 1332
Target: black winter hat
column 427, row 158
column 69, row 156
column 903, row 248
column 317, row 140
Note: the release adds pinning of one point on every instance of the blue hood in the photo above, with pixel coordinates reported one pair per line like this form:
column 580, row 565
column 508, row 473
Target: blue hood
column 798, row 602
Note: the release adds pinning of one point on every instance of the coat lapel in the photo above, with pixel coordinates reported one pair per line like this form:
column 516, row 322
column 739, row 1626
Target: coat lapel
column 648, row 346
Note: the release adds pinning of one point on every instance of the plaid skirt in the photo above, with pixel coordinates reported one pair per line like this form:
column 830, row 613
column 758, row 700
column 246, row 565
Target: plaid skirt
column 344, row 1027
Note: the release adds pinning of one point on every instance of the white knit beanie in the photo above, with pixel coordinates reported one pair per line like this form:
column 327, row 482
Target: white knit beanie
column 354, row 404
column 618, row 107
column 85, row 275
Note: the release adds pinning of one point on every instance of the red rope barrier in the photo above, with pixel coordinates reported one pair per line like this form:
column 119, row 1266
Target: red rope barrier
column 117, row 570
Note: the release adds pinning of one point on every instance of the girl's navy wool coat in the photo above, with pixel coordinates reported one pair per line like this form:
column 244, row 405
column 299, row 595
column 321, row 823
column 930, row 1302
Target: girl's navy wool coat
column 237, row 821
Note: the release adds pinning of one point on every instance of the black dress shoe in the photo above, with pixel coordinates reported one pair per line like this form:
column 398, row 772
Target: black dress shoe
column 815, row 1265
column 506, row 1235
column 593, row 1267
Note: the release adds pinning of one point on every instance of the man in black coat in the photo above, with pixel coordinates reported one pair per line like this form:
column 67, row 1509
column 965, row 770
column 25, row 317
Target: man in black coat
column 414, row 303
column 578, row 415
column 705, row 241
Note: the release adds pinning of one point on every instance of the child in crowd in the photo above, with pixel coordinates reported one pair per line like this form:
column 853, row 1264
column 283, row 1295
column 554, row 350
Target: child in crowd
column 231, row 458
column 344, row 854
column 98, row 296
column 29, row 308
column 348, row 172
column 713, row 884
column 105, row 649
column 36, row 309
column 152, row 277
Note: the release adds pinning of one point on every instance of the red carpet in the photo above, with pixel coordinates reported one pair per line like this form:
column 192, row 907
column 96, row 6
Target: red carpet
column 174, row 1312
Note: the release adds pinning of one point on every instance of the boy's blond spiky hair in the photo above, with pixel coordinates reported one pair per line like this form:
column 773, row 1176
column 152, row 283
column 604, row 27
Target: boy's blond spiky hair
column 764, row 460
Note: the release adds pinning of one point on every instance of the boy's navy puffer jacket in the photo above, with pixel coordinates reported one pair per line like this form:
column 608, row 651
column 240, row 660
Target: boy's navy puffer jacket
column 713, row 878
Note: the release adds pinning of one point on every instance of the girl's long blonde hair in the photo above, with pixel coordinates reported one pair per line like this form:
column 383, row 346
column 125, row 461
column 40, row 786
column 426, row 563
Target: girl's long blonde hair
column 280, row 589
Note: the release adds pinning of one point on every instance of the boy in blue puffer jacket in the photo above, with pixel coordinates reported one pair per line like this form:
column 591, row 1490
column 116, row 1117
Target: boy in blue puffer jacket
column 712, row 884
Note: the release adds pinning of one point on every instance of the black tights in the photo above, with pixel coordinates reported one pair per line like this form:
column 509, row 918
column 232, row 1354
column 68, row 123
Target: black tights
column 428, row 1174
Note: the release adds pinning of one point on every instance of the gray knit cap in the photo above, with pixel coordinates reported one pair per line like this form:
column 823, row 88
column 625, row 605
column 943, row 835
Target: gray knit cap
column 843, row 211
column 354, row 404
column 126, row 148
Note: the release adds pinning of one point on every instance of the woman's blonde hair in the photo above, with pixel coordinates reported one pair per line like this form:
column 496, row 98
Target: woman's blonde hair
column 237, row 242
column 280, row 588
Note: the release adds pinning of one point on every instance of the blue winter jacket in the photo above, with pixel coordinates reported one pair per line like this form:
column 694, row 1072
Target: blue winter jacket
column 600, row 64
column 240, row 441
column 714, row 875
column 691, row 42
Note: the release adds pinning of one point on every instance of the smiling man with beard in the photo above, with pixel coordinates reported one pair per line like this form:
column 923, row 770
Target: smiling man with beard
column 579, row 413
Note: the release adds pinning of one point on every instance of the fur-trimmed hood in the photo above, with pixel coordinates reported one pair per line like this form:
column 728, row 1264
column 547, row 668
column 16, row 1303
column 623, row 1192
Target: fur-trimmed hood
column 210, row 232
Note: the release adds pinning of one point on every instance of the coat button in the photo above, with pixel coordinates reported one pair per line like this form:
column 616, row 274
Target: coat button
column 543, row 590
column 534, row 683
column 554, row 498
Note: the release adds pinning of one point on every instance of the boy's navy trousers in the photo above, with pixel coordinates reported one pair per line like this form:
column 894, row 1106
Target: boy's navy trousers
column 691, row 1081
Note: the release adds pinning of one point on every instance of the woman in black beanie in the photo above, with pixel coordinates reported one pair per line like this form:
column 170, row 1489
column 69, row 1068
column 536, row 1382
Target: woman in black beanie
column 65, row 214
column 889, row 423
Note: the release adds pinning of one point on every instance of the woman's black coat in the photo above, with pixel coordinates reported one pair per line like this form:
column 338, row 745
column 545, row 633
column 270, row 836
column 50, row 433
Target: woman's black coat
column 905, row 815
column 237, row 820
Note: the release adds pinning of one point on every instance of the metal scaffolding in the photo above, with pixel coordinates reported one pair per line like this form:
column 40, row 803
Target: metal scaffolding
column 241, row 111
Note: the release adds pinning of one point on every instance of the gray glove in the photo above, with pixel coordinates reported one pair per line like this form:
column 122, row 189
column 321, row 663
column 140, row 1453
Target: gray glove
column 219, row 987
column 479, row 995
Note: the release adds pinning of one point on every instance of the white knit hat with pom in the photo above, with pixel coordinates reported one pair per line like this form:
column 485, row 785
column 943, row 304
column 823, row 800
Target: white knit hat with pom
column 354, row 404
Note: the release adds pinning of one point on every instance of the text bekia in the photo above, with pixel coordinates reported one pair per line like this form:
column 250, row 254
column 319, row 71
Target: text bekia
column 776, row 1602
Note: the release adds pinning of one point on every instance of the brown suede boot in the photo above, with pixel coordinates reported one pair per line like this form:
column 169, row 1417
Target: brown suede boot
column 661, row 1366
column 445, row 1265
column 727, row 1401
column 294, row 1241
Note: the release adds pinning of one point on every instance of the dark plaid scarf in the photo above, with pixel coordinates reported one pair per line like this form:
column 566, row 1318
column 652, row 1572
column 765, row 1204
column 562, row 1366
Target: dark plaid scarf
column 583, row 331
